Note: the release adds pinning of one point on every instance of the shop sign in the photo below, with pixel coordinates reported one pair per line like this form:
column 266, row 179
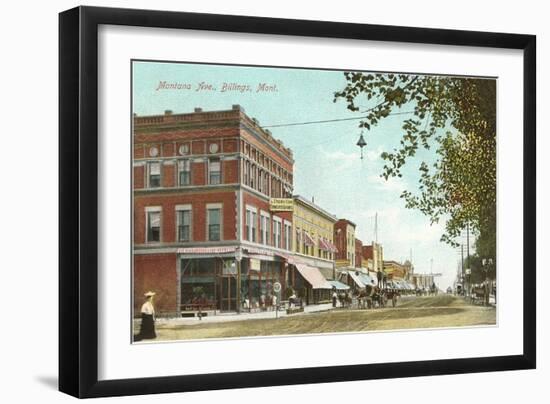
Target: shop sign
column 281, row 205
column 254, row 264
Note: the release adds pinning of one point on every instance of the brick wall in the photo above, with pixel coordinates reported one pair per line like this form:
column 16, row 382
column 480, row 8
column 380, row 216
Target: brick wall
column 139, row 177
column 230, row 171
column 198, row 173
column 168, row 149
column 158, row 273
column 341, row 240
column 358, row 253
column 168, row 175
column 198, row 201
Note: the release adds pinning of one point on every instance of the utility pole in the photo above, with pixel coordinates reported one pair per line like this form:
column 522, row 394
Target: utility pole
column 468, row 254
column 462, row 278
column 468, row 242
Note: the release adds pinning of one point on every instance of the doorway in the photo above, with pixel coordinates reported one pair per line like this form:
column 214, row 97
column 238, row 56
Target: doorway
column 228, row 293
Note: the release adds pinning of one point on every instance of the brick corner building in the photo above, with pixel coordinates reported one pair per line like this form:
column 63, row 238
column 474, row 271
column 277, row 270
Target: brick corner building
column 203, row 230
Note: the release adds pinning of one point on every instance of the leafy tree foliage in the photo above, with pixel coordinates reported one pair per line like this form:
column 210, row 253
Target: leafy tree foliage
column 457, row 117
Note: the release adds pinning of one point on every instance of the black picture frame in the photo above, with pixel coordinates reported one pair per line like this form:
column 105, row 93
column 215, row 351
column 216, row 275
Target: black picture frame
column 78, row 196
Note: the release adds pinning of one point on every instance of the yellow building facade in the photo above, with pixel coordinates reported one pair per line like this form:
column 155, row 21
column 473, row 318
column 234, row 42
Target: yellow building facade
column 395, row 270
column 313, row 230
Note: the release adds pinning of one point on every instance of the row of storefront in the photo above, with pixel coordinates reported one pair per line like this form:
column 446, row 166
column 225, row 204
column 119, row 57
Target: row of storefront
column 233, row 279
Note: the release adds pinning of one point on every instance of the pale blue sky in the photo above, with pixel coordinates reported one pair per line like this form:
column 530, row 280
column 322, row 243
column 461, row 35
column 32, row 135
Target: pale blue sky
column 327, row 160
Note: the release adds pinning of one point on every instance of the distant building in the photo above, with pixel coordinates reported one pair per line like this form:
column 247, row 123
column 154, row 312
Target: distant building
column 344, row 238
column 373, row 257
column 358, row 253
column 422, row 281
column 395, row 270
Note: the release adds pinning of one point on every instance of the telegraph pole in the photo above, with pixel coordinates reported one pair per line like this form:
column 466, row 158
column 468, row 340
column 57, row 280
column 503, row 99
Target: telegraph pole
column 468, row 254
column 462, row 278
column 468, row 242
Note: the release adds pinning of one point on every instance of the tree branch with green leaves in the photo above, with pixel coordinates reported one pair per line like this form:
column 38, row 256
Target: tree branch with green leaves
column 456, row 117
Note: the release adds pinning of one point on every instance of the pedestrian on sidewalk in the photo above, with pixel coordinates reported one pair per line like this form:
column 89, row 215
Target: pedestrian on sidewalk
column 147, row 330
column 334, row 298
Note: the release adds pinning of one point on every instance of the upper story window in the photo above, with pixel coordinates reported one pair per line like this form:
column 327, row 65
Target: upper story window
column 214, row 171
column 154, row 174
column 251, row 229
column 277, row 234
column 184, row 172
column 153, row 225
column 252, row 176
column 288, row 236
column 184, row 224
column 246, row 172
column 214, row 223
column 264, row 229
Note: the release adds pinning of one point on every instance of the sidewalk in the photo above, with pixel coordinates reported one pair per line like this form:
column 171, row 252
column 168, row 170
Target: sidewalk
column 225, row 317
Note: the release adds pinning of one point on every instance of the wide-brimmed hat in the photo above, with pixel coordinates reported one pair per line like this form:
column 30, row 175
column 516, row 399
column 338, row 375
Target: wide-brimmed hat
column 148, row 294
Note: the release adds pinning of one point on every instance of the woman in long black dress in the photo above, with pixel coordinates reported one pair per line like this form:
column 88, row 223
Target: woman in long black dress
column 147, row 330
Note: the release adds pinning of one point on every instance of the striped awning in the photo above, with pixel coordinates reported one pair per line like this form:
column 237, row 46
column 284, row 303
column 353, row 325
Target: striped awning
column 205, row 250
column 308, row 240
column 323, row 245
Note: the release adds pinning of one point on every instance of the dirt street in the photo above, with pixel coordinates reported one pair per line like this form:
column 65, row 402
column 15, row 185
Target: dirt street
column 413, row 312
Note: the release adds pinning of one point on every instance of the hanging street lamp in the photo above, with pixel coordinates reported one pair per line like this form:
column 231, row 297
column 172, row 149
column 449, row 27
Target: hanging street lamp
column 361, row 143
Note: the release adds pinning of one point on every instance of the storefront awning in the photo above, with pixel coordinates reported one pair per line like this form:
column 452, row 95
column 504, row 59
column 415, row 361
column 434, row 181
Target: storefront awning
column 205, row 250
column 308, row 240
column 367, row 279
column 323, row 245
column 339, row 285
column 356, row 279
column 313, row 276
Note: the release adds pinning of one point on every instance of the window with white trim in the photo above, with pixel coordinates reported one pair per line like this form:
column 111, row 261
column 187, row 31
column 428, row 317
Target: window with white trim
column 184, row 172
column 251, row 226
column 153, row 169
column 288, row 235
column 264, row 229
column 184, row 224
column 252, row 176
column 153, row 225
column 246, row 172
column 214, row 171
column 277, row 233
column 214, row 221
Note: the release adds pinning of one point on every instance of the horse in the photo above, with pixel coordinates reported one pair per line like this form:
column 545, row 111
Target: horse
column 345, row 299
